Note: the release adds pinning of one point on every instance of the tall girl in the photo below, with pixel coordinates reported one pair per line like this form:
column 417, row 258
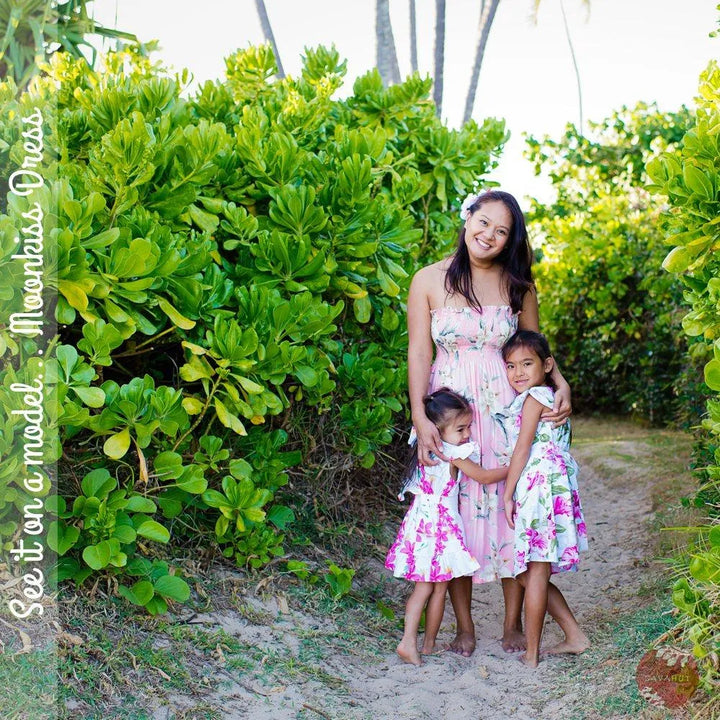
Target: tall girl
column 541, row 496
column 430, row 547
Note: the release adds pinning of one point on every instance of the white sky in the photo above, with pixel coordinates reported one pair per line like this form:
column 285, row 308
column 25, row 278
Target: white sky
column 627, row 51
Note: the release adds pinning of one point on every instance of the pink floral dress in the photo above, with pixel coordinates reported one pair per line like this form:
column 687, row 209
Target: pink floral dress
column 430, row 546
column 468, row 360
column 549, row 523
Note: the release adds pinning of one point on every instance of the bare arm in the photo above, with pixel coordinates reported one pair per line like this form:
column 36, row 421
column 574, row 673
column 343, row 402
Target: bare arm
column 420, row 356
column 530, row 320
column 531, row 412
column 478, row 473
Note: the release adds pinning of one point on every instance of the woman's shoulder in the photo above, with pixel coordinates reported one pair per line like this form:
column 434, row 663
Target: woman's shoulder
column 431, row 273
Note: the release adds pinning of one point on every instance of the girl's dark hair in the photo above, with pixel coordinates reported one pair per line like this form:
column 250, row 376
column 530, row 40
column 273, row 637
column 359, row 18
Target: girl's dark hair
column 515, row 258
column 531, row 340
column 440, row 406
column 443, row 401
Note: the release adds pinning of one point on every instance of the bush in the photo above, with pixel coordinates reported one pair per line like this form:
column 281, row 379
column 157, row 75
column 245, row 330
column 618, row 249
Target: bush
column 690, row 177
column 225, row 265
column 611, row 314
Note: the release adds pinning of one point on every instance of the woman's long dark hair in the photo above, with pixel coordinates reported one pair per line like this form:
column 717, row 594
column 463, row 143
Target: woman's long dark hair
column 515, row 258
column 440, row 407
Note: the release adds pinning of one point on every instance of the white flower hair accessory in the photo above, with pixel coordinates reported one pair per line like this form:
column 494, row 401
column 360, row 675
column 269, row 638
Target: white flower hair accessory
column 467, row 202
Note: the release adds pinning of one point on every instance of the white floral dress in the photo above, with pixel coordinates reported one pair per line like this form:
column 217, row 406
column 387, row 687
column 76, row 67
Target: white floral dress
column 549, row 522
column 430, row 545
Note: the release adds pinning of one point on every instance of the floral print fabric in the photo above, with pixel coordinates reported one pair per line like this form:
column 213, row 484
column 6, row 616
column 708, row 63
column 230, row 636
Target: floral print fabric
column 549, row 522
column 430, row 546
column 468, row 360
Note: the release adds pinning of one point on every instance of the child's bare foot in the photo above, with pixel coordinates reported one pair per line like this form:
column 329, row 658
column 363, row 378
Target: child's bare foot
column 513, row 641
column 463, row 644
column 432, row 649
column 408, row 652
column 528, row 662
column 573, row 646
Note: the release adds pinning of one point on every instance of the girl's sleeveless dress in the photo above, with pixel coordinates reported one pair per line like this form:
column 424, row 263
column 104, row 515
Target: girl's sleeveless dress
column 468, row 360
column 549, row 523
column 430, row 546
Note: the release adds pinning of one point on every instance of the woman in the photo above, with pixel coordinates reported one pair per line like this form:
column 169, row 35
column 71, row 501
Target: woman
column 465, row 307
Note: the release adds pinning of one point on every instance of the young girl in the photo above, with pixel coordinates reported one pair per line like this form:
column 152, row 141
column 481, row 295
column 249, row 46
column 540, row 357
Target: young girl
column 430, row 546
column 541, row 497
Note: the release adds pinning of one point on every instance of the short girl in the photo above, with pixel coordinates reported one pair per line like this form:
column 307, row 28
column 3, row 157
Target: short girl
column 430, row 546
column 541, row 497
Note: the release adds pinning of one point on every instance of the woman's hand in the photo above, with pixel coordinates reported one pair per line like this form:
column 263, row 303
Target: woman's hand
column 562, row 407
column 429, row 441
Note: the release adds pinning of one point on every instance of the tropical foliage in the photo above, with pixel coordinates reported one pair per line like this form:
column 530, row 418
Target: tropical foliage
column 610, row 311
column 690, row 178
column 230, row 271
column 31, row 30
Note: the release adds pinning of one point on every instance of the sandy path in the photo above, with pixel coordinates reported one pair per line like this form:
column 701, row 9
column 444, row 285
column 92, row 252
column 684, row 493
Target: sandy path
column 616, row 486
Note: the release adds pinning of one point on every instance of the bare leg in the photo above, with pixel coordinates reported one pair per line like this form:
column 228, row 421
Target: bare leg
column 575, row 639
column 433, row 616
column 513, row 638
column 460, row 596
column 537, row 579
column 407, row 649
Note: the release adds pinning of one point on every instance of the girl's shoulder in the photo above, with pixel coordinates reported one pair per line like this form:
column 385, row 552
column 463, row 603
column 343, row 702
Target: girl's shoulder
column 543, row 394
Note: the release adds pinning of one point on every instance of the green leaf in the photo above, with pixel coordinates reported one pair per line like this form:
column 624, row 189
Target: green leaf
column 98, row 483
column 93, row 397
column 712, row 375
column 677, row 260
column 228, row 419
column 142, row 591
column 61, row 537
column 117, row 445
column 153, row 530
column 280, row 516
column 97, row 556
column 173, row 587
column 362, row 309
column 192, row 480
column 138, row 503
column 177, row 318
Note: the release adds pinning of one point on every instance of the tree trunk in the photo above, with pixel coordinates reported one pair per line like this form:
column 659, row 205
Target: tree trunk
column 575, row 65
column 439, row 55
column 487, row 15
column 387, row 62
column 413, row 38
column 269, row 36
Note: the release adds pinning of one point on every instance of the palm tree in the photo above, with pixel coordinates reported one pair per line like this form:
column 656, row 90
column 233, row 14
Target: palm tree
column 269, row 35
column 439, row 55
column 387, row 62
column 574, row 59
column 32, row 30
column 487, row 15
column 413, row 38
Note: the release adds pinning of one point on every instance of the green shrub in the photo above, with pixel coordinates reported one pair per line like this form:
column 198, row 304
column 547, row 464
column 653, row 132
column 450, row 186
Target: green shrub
column 690, row 177
column 224, row 264
column 611, row 313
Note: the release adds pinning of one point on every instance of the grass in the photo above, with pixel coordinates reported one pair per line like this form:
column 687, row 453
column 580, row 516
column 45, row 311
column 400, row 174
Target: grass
column 28, row 685
column 231, row 637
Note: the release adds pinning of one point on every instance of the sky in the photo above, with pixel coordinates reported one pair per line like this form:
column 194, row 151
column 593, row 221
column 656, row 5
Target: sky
column 627, row 51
